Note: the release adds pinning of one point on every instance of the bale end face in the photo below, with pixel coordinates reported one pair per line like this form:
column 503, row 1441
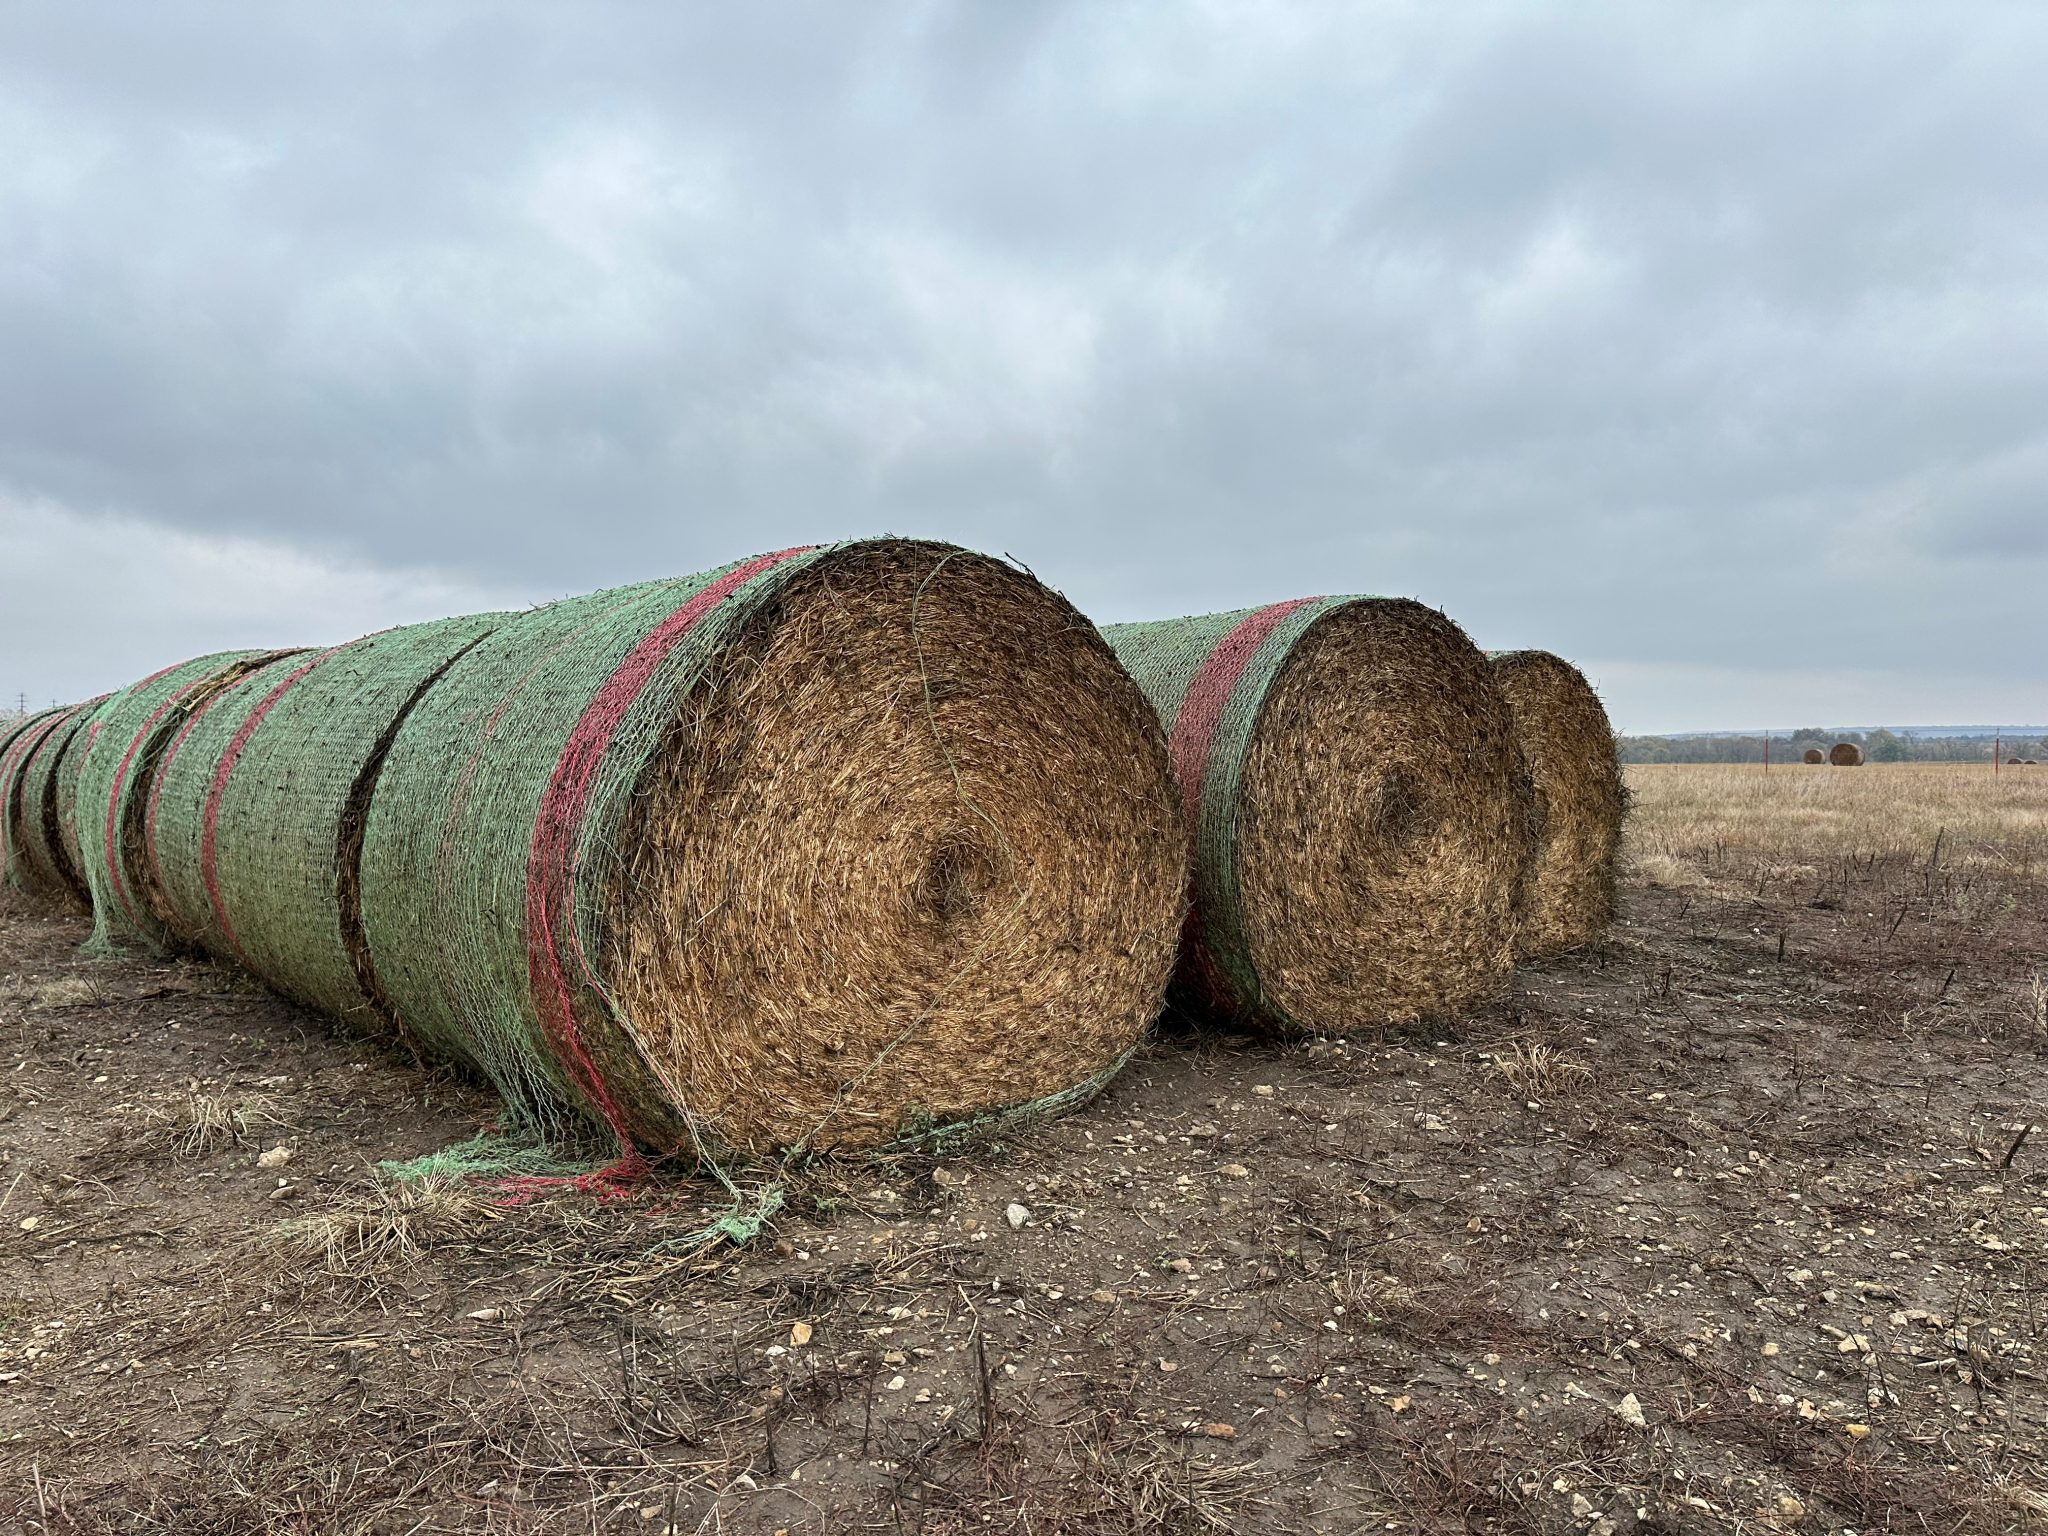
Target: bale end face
column 1581, row 798
column 1845, row 754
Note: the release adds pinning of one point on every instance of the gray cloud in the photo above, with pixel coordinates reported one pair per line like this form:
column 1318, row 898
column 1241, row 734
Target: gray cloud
column 1708, row 339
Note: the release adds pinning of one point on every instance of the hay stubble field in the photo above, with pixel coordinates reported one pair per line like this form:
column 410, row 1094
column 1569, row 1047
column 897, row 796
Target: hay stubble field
column 1732, row 1223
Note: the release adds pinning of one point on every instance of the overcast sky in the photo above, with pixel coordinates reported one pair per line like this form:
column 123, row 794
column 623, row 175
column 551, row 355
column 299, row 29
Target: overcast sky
column 1706, row 344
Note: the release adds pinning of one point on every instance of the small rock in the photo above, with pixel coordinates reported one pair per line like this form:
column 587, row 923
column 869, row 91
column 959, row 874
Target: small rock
column 799, row 1334
column 1857, row 1431
column 1220, row 1431
column 1263, row 1090
column 1790, row 1507
column 276, row 1157
column 1582, row 1507
column 1104, row 1297
column 1236, row 1171
column 1630, row 1411
column 895, row 1384
column 1168, row 1366
column 1016, row 1215
column 30, row 1223
column 1182, row 1267
column 1770, row 1349
column 1402, row 1403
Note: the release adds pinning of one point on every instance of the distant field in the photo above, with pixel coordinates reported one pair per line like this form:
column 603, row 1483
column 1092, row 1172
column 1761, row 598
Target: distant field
column 1686, row 815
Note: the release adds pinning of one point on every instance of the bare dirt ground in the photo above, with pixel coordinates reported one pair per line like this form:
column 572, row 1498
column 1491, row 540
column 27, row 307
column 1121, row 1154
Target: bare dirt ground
column 1731, row 1224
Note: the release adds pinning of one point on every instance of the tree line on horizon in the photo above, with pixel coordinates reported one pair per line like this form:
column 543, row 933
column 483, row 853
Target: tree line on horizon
column 1879, row 746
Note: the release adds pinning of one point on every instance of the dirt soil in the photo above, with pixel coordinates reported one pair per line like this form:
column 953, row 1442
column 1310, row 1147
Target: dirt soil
column 1729, row 1225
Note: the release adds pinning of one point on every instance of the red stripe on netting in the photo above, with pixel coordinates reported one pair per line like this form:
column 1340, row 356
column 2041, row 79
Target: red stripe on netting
column 163, row 769
column 1193, row 739
column 35, row 755
column 551, row 861
column 209, row 826
column 14, row 767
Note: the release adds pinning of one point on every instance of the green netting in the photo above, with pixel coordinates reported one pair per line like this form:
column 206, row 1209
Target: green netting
column 259, row 806
column 490, row 839
column 130, row 733
column 1208, row 676
column 65, row 790
column 18, row 743
column 40, row 855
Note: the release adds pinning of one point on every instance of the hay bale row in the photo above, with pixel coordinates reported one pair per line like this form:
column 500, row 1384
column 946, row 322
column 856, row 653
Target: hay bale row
column 18, row 743
column 44, row 859
column 1358, row 805
column 828, row 845
column 259, row 811
column 807, row 851
column 126, row 740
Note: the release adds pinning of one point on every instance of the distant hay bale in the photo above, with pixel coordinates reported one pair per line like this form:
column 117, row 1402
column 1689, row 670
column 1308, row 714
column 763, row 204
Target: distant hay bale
column 258, row 811
column 1846, row 754
column 1815, row 755
column 19, row 741
column 44, row 860
column 1581, row 801
column 808, row 852
column 1358, row 805
column 124, row 743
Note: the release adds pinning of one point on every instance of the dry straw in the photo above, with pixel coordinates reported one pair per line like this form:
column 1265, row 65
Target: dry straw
column 1580, row 801
column 258, row 810
column 1359, row 809
column 1846, row 754
column 804, row 852
column 125, row 741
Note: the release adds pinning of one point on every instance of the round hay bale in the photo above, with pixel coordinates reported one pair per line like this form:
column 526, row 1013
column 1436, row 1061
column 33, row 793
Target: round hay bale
column 44, row 860
column 1845, row 754
column 1580, row 799
column 1814, row 755
column 1359, row 807
column 124, row 744
column 812, row 851
column 258, row 810
column 18, row 745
